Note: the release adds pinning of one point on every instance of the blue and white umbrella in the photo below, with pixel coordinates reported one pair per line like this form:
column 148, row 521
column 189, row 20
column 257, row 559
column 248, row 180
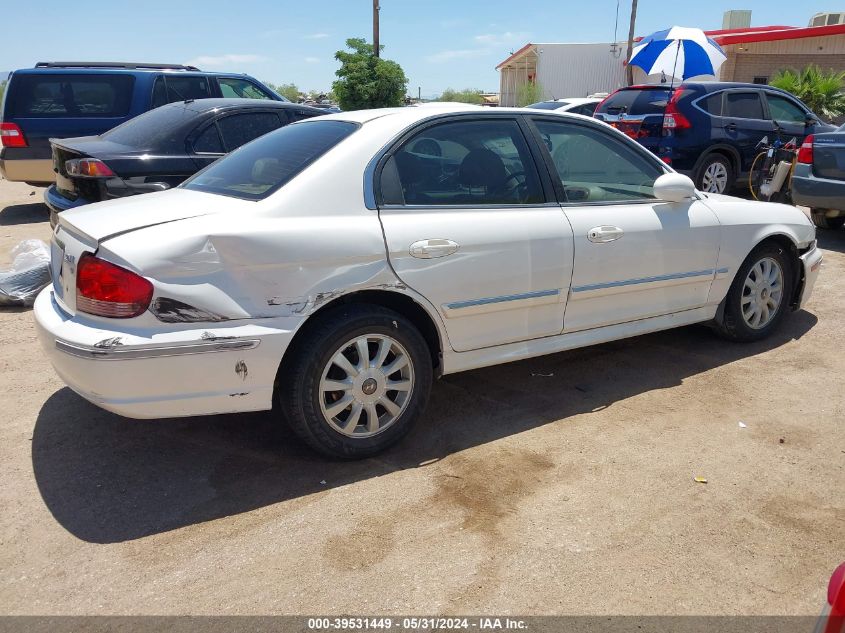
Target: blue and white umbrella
column 678, row 52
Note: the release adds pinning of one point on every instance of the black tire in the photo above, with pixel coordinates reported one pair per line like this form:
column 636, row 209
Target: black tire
column 710, row 161
column 733, row 325
column 821, row 220
column 300, row 374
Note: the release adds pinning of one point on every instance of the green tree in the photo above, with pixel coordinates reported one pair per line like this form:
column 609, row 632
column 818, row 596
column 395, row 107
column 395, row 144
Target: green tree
column 467, row 95
column 366, row 81
column 289, row 91
column 528, row 93
column 821, row 90
column 2, row 89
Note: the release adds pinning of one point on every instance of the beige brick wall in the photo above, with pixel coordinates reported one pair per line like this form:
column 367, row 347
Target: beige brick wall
column 746, row 66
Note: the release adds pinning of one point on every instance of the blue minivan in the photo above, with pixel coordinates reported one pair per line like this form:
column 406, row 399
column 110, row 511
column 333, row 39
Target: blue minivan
column 66, row 99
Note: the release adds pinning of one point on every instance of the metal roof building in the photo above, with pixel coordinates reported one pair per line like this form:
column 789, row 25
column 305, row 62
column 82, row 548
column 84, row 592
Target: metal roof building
column 754, row 54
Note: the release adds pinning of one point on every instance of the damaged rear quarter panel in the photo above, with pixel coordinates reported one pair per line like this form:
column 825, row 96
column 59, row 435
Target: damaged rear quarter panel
column 286, row 256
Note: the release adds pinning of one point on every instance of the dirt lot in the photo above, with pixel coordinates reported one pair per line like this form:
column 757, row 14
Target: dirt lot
column 557, row 485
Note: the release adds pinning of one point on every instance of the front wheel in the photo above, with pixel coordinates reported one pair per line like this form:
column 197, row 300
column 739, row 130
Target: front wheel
column 759, row 295
column 356, row 382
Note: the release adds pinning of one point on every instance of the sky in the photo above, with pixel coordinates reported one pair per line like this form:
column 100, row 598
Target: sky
column 439, row 43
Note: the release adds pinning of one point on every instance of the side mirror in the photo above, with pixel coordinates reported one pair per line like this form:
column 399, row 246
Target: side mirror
column 674, row 188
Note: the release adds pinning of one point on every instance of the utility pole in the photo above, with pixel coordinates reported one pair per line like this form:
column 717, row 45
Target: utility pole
column 375, row 28
column 629, row 70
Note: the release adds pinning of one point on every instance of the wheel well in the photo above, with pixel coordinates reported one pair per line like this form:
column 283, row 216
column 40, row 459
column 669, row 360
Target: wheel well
column 797, row 272
column 395, row 301
column 726, row 153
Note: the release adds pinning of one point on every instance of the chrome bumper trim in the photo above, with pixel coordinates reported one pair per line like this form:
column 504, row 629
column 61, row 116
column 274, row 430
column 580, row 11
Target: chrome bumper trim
column 131, row 353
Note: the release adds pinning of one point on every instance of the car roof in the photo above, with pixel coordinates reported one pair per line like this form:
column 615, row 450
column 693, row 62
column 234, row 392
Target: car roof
column 408, row 116
column 120, row 70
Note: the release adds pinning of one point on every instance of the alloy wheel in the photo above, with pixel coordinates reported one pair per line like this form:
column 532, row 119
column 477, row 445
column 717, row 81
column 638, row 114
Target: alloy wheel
column 715, row 178
column 762, row 293
column 366, row 385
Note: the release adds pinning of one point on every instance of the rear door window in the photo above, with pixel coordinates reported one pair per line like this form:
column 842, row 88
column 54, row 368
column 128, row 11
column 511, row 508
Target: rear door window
column 71, row 95
column 743, row 105
column 238, row 129
column 182, row 87
column 256, row 170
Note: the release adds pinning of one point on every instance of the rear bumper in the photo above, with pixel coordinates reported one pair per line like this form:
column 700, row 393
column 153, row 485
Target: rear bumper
column 34, row 170
column 812, row 263
column 811, row 191
column 221, row 368
column 58, row 203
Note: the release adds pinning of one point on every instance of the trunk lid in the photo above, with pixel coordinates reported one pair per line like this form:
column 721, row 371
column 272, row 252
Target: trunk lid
column 829, row 155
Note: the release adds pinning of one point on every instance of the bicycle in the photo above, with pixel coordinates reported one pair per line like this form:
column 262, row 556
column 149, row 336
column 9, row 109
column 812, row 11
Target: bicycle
column 770, row 177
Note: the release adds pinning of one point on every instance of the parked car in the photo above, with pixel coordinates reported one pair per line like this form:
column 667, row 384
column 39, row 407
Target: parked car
column 160, row 148
column 708, row 130
column 832, row 619
column 65, row 99
column 818, row 180
column 335, row 266
column 576, row 105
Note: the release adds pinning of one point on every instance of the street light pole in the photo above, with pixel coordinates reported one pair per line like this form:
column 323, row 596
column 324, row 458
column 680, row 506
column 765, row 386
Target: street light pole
column 629, row 70
column 375, row 28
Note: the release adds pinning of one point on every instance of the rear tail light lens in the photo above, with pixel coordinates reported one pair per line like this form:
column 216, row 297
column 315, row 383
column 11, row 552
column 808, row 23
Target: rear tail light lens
column 88, row 168
column 105, row 289
column 12, row 136
column 805, row 152
column 672, row 117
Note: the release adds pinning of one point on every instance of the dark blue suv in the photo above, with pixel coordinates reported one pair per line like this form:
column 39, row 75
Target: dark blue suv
column 65, row 99
column 708, row 130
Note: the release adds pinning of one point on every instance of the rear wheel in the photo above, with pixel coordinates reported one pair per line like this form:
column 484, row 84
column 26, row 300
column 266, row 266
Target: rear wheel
column 821, row 220
column 357, row 381
column 715, row 175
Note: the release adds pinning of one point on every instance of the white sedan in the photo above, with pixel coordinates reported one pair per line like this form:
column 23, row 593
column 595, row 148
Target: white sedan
column 332, row 268
column 574, row 105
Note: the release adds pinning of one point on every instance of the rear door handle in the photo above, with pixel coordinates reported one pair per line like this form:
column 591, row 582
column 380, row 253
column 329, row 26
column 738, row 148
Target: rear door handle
column 433, row 248
column 603, row 234
column 731, row 127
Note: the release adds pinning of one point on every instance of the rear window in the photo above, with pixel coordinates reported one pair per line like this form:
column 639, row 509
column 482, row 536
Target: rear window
column 548, row 105
column 636, row 101
column 72, row 95
column 712, row 104
column 154, row 129
column 261, row 167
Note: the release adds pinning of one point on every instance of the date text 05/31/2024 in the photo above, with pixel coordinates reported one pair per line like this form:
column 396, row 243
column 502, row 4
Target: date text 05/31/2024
column 416, row 623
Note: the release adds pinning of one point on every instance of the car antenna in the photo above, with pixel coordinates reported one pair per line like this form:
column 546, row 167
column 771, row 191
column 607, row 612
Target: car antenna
column 189, row 100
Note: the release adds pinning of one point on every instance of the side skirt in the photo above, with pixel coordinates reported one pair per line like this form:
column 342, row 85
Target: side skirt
column 454, row 362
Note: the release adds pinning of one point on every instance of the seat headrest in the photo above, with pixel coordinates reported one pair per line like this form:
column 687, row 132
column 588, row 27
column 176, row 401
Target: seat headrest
column 482, row 168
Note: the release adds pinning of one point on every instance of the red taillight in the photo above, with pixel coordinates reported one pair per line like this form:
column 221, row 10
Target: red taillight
column 88, row 168
column 672, row 117
column 11, row 135
column 805, row 152
column 110, row 291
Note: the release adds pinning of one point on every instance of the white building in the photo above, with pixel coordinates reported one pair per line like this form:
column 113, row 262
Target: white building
column 562, row 70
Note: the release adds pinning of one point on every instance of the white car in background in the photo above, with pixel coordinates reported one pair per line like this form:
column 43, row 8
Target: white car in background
column 334, row 267
column 575, row 105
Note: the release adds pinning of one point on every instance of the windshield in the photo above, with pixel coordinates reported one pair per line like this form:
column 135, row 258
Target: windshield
column 635, row 101
column 259, row 168
column 153, row 129
column 548, row 105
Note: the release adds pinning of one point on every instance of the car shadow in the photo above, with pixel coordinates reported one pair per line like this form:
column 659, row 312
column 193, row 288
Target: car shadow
column 24, row 214
column 108, row 479
column 831, row 240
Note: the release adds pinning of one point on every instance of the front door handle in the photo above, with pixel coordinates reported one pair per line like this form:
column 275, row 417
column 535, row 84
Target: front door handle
column 603, row 234
column 731, row 127
column 433, row 248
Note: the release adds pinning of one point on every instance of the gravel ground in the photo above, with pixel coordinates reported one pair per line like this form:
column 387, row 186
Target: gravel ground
column 558, row 485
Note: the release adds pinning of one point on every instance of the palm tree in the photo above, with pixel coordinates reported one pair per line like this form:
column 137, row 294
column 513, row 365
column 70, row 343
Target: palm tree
column 820, row 90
